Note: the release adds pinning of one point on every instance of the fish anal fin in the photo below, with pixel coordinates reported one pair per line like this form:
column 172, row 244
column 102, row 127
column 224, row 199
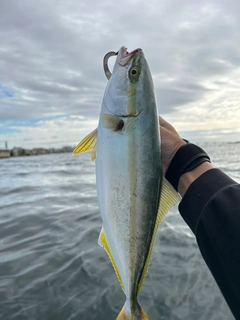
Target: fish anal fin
column 88, row 144
column 111, row 122
column 169, row 198
column 102, row 241
column 139, row 314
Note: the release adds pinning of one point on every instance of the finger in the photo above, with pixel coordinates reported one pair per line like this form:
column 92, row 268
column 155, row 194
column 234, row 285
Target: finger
column 163, row 131
column 163, row 123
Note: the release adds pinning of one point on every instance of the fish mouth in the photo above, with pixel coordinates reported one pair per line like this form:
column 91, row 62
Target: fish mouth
column 125, row 57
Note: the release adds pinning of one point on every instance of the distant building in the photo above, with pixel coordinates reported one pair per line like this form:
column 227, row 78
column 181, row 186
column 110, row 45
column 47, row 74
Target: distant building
column 4, row 153
column 15, row 152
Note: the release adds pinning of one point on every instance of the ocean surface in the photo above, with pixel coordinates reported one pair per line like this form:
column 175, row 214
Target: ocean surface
column 51, row 267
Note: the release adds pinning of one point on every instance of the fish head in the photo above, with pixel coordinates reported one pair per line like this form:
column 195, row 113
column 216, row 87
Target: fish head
column 130, row 85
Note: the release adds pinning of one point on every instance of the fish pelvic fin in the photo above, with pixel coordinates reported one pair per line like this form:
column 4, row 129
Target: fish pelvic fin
column 88, row 144
column 169, row 198
column 138, row 314
column 102, row 241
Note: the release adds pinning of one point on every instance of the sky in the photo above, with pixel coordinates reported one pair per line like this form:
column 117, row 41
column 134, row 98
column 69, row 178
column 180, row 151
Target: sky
column 52, row 80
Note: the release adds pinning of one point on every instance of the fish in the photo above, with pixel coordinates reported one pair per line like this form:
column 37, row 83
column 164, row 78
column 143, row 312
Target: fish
column 133, row 195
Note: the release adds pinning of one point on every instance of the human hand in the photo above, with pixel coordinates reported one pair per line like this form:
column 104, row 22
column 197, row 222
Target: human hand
column 170, row 142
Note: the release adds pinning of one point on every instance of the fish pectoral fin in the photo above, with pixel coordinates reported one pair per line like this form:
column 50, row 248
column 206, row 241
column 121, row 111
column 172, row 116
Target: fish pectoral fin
column 111, row 122
column 169, row 198
column 102, row 241
column 88, row 144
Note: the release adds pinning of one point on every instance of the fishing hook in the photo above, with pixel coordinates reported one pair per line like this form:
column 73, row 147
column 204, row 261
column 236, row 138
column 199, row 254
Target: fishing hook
column 105, row 63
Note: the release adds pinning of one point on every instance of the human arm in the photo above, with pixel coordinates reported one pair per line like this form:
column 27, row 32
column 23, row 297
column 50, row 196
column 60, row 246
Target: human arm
column 211, row 207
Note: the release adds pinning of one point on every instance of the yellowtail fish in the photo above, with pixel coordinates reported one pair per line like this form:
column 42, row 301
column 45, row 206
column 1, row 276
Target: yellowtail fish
column 133, row 196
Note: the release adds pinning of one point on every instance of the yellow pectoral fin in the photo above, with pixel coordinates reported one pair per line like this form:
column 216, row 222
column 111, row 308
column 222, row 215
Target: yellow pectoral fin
column 102, row 241
column 169, row 198
column 87, row 144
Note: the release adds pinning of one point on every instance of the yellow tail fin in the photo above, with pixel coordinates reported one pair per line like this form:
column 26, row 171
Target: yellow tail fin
column 139, row 314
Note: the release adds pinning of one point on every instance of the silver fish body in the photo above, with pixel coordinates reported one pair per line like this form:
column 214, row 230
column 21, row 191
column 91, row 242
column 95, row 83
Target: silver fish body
column 129, row 174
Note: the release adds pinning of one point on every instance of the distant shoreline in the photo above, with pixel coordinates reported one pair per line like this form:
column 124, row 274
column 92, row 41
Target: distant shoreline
column 21, row 152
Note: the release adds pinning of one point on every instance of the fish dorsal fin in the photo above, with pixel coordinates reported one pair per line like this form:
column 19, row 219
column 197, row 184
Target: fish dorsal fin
column 112, row 122
column 88, row 144
column 169, row 198
column 102, row 241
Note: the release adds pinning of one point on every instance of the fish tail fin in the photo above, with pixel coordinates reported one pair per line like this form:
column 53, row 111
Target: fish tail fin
column 137, row 314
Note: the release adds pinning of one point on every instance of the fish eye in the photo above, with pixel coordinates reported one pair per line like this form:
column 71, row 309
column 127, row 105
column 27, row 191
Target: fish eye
column 134, row 72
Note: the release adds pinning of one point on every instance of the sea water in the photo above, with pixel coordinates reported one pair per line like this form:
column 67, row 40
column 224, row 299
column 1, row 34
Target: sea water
column 51, row 267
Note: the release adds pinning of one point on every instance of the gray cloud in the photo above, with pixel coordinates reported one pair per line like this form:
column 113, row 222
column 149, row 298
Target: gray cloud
column 51, row 53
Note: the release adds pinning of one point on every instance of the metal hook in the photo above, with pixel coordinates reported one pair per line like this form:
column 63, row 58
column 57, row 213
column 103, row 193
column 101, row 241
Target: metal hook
column 105, row 63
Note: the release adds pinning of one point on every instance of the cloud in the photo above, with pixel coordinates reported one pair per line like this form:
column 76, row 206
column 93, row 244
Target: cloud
column 55, row 132
column 51, row 61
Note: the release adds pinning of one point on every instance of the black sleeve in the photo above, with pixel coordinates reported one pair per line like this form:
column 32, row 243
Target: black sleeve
column 211, row 208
